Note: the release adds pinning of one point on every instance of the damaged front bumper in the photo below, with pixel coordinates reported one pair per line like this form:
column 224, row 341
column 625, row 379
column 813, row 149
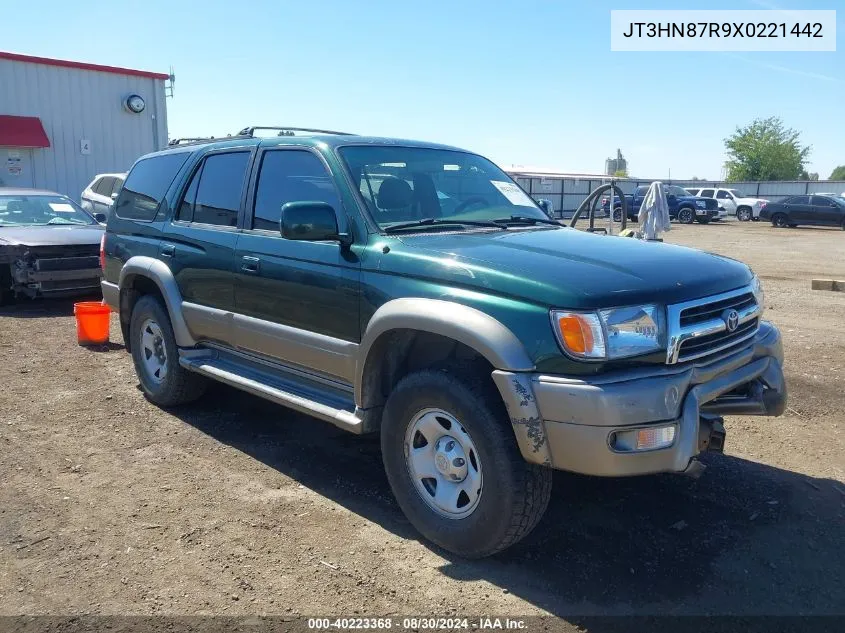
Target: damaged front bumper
column 54, row 273
column 594, row 426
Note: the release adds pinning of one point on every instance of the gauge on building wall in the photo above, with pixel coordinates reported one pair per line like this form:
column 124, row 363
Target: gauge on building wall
column 135, row 103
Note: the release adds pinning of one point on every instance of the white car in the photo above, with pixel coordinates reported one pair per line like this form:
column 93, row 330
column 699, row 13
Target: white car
column 99, row 196
column 733, row 201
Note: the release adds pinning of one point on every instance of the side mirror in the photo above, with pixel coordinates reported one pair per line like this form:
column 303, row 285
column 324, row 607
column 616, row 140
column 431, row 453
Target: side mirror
column 310, row 221
column 114, row 196
column 100, row 217
column 546, row 206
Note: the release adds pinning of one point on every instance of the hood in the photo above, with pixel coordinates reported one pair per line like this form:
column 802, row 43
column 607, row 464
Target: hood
column 709, row 203
column 565, row 267
column 51, row 235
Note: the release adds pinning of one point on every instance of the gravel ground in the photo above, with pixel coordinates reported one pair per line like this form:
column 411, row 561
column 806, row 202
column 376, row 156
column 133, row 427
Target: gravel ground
column 110, row 505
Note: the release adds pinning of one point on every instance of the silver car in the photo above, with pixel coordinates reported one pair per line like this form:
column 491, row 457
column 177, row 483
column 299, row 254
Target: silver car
column 99, row 196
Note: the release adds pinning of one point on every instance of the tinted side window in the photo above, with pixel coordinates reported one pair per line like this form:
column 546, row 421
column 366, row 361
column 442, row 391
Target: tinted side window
column 103, row 186
column 118, row 183
column 723, row 195
column 146, row 185
column 706, row 193
column 641, row 191
column 798, row 200
column 218, row 196
column 290, row 176
column 186, row 207
column 820, row 201
column 692, row 192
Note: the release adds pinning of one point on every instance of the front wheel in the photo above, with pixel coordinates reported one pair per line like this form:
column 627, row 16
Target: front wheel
column 156, row 357
column 617, row 214
column 743, row 214
column 779, row 221
column 686, row 216
column 454, row 466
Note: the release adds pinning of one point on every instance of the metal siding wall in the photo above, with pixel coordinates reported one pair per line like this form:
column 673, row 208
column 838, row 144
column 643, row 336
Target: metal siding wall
column 75, row 104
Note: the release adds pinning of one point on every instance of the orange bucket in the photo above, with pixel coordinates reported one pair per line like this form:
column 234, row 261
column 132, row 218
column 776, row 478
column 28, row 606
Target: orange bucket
column 92, row 322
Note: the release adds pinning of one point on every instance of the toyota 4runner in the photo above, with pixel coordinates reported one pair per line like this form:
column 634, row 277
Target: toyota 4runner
column 414, row 290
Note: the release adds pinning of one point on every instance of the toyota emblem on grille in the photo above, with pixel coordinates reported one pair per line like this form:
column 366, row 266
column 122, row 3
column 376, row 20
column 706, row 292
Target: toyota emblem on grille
column 731, row 318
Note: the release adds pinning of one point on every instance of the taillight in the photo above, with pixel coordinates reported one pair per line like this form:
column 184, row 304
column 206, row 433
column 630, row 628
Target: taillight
column 603, row 201
column 103, row 253
column 763, row 205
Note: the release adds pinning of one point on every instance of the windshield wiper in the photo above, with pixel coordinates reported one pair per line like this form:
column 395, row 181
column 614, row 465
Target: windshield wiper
column 440, row 222
column 524, row 219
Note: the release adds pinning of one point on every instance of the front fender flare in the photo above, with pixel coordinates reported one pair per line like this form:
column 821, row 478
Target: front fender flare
column 160, row 273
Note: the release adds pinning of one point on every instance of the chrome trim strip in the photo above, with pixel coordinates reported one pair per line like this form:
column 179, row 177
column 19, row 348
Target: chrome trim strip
column 677, row 334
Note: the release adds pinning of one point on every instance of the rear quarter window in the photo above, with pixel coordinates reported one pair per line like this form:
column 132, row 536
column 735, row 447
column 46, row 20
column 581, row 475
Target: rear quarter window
column 146, row 185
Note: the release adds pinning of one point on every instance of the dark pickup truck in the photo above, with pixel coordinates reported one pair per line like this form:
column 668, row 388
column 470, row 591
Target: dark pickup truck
column 415, row 291
column 683, row 207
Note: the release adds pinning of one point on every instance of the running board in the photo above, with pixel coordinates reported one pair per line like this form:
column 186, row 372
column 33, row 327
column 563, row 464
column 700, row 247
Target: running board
column 288, row 391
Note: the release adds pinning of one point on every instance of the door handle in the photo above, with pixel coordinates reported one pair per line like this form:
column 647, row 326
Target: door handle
column 250, row 264
column 168, row 250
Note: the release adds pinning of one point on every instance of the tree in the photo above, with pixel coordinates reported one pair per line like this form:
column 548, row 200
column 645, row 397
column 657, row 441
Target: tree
column 620, row 173
column 838, row 173
column 765, row 150
column 809, row 176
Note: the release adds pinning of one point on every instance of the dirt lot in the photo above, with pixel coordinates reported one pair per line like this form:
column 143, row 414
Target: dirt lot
column 110, row 505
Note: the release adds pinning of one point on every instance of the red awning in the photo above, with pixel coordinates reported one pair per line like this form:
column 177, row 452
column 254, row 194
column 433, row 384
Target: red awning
column 22, row 131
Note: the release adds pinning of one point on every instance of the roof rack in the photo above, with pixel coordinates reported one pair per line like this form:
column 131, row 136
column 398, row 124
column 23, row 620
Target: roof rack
column 288, row 131
column 196, row 140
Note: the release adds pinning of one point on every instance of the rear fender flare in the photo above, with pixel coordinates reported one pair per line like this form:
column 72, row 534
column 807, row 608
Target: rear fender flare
column 160, row 273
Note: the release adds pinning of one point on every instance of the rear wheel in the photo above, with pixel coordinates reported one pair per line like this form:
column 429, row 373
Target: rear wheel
column 454, row 466
column 779, row 220
column 156, row 357
column 743, row 214
column 686, row 215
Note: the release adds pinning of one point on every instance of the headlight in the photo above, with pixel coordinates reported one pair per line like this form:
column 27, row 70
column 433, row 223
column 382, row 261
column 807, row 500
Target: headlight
column 759, row 295
column 700, row 204
column 609, row 334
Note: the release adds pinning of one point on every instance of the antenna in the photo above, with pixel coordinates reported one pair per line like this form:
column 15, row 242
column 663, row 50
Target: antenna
column 168, row 88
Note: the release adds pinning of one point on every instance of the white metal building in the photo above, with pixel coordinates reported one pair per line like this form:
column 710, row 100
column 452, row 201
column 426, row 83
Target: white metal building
column 63, row 122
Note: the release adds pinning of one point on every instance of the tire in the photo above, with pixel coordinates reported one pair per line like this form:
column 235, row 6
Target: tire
column 743, row 214
column 515, row 493
column 686, row 215
column 779, row 220
column 150, row 329
column 617, row 214
column 843, row 225
column 7, row 295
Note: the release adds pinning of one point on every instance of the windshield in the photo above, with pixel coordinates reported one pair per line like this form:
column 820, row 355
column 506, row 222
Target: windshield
column 406, row 184
column 41, row 210
column 736, row 193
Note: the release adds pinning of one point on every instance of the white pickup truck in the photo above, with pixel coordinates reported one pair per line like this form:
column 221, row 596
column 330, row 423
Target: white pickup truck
column 733, row 201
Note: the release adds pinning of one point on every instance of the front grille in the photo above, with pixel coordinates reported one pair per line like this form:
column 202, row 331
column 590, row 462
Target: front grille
column 708, row 311
column 705, row 345
column 698, row 329
column 710, row 203
column 67, row 263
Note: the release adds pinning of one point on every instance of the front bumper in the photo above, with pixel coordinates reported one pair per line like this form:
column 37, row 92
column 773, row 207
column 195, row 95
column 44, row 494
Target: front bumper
column 568, row 423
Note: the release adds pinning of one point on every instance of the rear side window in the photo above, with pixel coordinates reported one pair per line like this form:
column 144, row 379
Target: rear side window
column 798, row 200
column 290, row 176
column 723, row 195
column 103, row 186
column 218, row 196
column 146, row 185
column 706, row 193
column 641, row 191
column 692, row 192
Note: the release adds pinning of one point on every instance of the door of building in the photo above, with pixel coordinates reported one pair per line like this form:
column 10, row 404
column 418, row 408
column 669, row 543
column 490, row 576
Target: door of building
column 16, row 167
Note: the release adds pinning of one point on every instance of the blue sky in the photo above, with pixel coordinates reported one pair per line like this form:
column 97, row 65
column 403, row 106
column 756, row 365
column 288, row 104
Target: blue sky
column 528, row 82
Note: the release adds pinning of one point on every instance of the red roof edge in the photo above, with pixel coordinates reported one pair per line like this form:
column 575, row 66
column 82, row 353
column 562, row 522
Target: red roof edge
column 22, row 131
column 82, row 65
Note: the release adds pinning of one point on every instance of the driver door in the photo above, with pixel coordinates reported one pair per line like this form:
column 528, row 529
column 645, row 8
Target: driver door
column 725, row 199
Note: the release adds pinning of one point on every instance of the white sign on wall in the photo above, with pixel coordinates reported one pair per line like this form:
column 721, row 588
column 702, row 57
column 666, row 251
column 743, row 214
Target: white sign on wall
column 85, row 146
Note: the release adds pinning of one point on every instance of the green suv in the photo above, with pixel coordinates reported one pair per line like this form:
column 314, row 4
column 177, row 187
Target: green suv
column 415, row 291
